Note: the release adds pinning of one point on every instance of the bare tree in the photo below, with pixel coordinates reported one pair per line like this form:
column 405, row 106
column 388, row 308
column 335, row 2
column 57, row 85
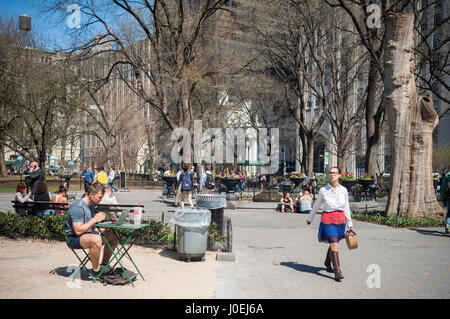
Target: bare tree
column 38, row 100
column 161, row 51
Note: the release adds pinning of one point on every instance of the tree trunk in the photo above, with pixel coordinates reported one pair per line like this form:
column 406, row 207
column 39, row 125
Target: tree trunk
column 310, row 160
column 341, row 161
column 412, row 120
column 3, row 170
column 121, row 155
column 372, row 135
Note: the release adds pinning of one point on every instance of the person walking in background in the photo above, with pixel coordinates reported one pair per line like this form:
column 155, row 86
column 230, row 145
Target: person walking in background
column 88, row 177
column 95, row 176
column 178, row 188
column 335, row 216
column 111, row 177
column 243, row 181
column 186, row 187
column 305, row 183
column 445, row 197
column 194, row 180
column 207, row 180
column 67, row 178
column 102, row 178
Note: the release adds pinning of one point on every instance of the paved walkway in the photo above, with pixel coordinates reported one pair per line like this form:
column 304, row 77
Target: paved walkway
column 278, row 256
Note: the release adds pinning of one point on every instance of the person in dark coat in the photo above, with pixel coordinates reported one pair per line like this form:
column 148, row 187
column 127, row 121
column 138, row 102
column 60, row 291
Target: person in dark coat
column 27, row 174
column 36, row 176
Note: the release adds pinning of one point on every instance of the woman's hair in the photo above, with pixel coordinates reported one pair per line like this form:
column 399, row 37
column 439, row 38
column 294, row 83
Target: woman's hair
column 306, row 196
column 62, row 189
column 339, row 170
column 41, row 188
column 20, row 187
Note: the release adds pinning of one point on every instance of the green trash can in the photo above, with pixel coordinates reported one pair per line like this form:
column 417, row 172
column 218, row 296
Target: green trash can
column 192, row 228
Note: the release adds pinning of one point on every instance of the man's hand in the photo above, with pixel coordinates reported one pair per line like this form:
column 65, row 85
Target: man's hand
column 99, row 217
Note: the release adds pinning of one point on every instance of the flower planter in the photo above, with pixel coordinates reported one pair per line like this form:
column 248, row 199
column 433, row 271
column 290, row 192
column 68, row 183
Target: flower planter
column 348, row 184
column 170, row 179
column 366, row 182
column 228, row 183
column 297, row 180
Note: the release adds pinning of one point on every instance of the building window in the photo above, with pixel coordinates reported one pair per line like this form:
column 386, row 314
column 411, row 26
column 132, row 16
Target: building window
column 360, row 166
column 319, row 158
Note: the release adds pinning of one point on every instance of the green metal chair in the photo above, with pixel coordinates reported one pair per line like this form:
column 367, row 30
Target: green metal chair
column 83, row 261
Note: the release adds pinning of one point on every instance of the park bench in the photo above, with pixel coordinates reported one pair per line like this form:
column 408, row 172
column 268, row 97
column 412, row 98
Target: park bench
column 28, row 207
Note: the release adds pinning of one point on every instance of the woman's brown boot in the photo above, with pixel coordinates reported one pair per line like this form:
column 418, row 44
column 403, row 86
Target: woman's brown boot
column 328, row 261
column 337, row 268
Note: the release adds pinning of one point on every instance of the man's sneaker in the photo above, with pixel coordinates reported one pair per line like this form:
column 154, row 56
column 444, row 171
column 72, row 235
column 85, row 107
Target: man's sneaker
column 107, row 270
column 95, row 273
column 447, row 229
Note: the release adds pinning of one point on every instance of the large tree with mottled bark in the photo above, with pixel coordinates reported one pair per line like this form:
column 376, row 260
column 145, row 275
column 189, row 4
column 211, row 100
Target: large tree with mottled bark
column 412, row 120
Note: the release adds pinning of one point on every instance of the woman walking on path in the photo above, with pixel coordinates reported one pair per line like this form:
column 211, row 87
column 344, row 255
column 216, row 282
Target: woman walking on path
column 335, row 215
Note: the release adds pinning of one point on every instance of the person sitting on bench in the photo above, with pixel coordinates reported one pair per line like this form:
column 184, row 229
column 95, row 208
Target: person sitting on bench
column 286, row 201
column 81, row 231
column 22, row 197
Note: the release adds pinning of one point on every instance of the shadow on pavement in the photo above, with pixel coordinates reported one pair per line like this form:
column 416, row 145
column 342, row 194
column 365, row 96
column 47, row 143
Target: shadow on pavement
column 431, row 232
column 307, row 268
column 169, row 253
column 67, row 271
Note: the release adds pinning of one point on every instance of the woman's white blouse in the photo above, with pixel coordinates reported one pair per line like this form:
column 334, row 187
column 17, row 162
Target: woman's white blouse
column 332, row 200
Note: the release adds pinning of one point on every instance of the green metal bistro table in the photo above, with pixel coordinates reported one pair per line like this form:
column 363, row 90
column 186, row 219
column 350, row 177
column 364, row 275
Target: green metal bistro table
column 132, row 237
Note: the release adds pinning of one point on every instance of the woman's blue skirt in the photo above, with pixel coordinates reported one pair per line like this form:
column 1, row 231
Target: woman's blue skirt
column 332, row 227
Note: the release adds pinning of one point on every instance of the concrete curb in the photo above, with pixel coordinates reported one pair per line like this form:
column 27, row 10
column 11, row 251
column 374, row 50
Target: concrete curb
column 230, row 257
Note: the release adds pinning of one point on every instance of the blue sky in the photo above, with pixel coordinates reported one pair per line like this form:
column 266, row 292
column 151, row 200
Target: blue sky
column 56, row 35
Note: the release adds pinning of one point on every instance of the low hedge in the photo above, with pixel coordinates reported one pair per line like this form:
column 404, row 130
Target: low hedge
column 51, row 227
column 378, row 217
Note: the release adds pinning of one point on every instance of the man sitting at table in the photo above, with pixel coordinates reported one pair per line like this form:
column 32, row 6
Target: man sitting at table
column 81, row 230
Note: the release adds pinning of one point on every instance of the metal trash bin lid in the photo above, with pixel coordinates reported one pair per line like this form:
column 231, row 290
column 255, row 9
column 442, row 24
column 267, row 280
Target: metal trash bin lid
column 211, row 201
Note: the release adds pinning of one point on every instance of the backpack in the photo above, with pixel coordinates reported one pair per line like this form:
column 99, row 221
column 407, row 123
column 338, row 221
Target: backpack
column 117, row 277
column 209, row 181
column 186, row 182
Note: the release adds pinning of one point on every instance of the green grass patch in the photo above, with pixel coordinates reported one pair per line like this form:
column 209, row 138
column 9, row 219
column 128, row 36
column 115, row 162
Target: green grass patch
column 378, row 217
